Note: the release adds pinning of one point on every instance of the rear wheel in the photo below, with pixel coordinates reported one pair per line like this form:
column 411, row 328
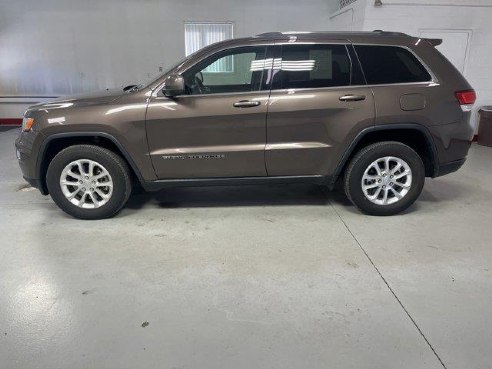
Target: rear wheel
column 384, row 178
column 89, row 182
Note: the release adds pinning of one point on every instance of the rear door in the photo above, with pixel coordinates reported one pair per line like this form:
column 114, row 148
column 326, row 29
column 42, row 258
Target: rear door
column 318, row 103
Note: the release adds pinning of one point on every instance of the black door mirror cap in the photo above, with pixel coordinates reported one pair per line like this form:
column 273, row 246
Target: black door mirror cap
column 173, row 85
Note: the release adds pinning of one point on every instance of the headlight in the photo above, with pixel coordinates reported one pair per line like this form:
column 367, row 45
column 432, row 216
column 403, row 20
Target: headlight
column 27, row 124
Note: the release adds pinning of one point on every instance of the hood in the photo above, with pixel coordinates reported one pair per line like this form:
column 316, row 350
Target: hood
column 90, row 98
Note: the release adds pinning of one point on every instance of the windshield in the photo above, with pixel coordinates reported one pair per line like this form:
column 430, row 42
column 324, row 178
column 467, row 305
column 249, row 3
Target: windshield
column 147, row 81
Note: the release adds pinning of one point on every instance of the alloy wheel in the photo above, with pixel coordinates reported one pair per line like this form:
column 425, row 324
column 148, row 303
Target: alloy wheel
column 386, row 180
column 86, row 184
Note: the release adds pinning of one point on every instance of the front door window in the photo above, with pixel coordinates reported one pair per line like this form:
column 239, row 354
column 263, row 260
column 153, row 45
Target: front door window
column 230, row 71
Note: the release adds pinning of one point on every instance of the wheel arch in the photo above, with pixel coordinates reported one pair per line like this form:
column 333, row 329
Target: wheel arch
column 53, row 144
column 414, row 135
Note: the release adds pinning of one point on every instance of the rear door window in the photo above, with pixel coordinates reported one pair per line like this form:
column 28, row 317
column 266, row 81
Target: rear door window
column 312, row 66
column 390, row 64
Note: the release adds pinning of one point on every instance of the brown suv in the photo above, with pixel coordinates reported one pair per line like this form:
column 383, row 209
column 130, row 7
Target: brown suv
column 381, row 110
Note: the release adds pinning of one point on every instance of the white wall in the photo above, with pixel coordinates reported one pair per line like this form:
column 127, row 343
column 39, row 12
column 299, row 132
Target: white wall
column 349, row 18
column 465, row 26
column 58, row 47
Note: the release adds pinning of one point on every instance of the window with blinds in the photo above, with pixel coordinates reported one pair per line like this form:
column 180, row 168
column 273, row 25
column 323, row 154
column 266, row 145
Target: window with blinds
column 201, row 34
column 344, row 3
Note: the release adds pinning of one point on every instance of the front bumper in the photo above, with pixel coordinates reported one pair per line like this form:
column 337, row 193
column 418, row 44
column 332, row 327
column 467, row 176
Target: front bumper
column 36, row 183
column 24, row 146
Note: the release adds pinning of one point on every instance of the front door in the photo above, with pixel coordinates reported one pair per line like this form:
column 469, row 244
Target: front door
column 218, row 128
column 318, row 102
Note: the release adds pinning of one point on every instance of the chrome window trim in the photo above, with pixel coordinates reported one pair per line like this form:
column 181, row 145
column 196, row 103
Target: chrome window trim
column 267, row 92
column 429, row 83
column 351, row 65
column 285, row 90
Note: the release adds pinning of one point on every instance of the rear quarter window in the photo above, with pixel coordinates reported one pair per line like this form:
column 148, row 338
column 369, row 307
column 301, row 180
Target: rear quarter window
column 390, row 64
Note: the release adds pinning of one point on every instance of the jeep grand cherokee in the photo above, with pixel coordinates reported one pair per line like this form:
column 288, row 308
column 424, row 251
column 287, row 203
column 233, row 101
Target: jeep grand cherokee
column 379, row 110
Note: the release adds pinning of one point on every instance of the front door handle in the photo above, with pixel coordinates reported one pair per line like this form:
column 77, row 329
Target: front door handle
column 352, row 98
column 246, row 104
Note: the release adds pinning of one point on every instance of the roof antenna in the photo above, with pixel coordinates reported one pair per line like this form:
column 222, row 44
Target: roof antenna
column 378, row 3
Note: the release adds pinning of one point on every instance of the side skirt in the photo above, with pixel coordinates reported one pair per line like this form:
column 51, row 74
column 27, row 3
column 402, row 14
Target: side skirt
column 233, row 181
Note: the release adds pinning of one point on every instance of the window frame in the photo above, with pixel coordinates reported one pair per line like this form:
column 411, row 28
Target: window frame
column 279, row 53
column 273, row 48
column 433, row 79
column 265, row 85
column 200, row 56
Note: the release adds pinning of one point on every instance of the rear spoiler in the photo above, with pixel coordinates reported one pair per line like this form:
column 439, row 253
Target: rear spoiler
column 434, row 41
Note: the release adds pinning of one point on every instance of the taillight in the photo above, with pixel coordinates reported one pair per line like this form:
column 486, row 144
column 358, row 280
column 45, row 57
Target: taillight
column 466, row 97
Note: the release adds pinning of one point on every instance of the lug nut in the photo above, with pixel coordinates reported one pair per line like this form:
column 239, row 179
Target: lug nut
column 391, row 183
column 379, row 181
column 81, row 181
column 86, row 177
column 384, row 186
column 391, row 176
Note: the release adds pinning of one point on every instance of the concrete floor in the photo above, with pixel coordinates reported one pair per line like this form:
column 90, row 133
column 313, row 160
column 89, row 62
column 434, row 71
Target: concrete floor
column 253, row 277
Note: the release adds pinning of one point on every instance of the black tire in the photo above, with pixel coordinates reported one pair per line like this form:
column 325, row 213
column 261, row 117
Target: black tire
column 363, row 159
column 113, row 163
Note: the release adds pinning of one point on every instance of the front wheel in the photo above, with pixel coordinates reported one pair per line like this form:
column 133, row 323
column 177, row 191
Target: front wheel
column 88, row 181
column 384, row 178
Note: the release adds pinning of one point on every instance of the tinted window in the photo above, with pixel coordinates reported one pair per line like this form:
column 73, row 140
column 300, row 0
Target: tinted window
column 390, row 64
column 311, row 66
column 234, row 70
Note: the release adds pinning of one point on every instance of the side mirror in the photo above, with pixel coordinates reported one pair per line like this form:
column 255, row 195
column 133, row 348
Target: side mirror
column 173, row 85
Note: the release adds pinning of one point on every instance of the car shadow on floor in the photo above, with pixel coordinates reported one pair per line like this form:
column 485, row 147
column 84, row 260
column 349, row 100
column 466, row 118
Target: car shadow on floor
column 279, row 195
column 444, row 189
column 8, row 128
column 227, row 196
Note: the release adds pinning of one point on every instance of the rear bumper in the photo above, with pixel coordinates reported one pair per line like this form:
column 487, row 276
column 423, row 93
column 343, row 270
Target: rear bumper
column 452, row 142
column 450, row 167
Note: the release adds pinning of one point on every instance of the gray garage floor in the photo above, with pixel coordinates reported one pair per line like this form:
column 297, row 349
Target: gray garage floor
column 253, row 277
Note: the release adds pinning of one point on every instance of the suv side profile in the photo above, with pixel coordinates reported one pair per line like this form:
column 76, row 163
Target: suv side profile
column 378, row 110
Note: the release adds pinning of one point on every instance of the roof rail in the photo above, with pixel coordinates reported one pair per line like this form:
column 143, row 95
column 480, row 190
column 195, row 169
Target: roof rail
column 391, row 33
column 270, row 34
column 316, row 33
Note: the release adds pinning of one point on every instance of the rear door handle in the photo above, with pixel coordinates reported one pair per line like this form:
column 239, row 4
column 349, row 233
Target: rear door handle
column 352, row 97
column 246, row 104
